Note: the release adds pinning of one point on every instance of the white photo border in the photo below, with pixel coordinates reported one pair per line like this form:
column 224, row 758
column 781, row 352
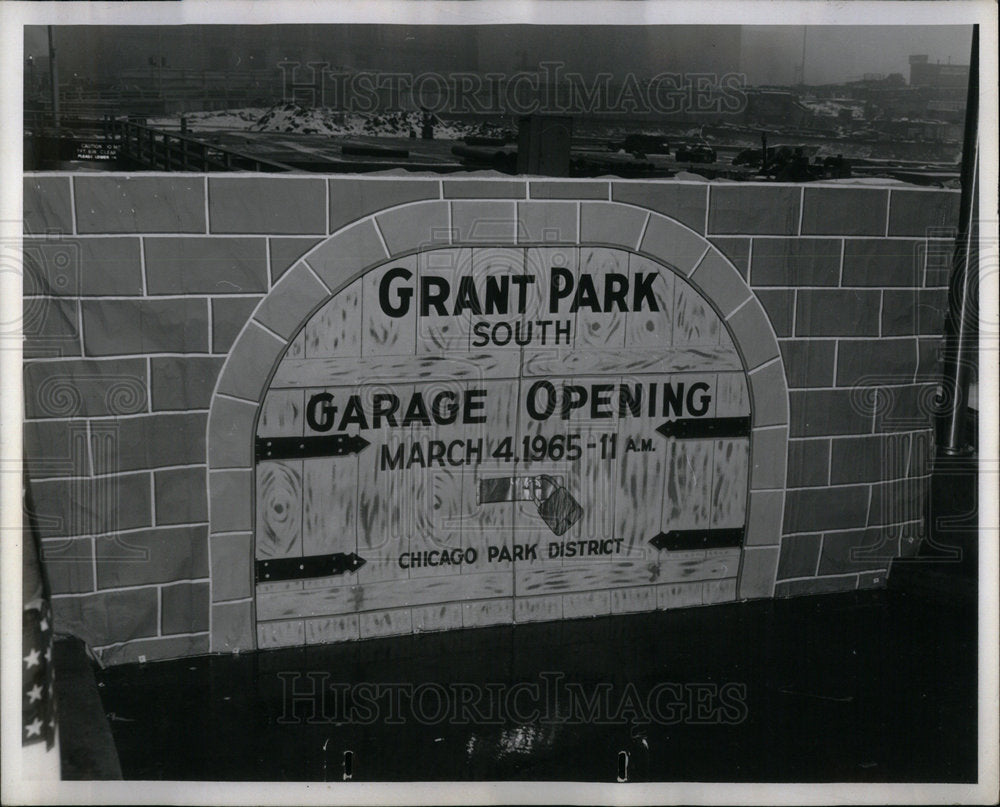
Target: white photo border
column 17, row 787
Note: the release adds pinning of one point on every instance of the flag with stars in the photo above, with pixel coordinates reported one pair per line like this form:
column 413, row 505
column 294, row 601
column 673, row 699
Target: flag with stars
column 38, row 702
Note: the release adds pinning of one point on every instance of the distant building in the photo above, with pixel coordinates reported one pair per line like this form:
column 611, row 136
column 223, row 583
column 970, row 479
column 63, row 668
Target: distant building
column 766, row 107
column 923, row 73
column 935, row 130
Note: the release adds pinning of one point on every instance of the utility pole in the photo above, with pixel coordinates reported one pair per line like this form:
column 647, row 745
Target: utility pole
column 802, row 64
column 54, row 79
column 962, row 327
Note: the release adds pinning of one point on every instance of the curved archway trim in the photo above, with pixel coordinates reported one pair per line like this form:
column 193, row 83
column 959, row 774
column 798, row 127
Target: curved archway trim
column 423, row 225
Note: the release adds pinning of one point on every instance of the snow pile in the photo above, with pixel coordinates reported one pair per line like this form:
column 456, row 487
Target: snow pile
column 831, row 108
column 301, row 120
column 240, row 119
column 296, row 119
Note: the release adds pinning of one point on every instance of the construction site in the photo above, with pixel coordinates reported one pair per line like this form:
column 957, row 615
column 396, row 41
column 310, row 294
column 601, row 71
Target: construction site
column 286, row 116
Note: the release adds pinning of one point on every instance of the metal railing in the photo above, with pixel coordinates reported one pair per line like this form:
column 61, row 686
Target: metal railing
column 168, row 151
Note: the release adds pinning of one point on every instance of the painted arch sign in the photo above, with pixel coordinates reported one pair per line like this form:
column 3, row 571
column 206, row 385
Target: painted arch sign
column 472, row 435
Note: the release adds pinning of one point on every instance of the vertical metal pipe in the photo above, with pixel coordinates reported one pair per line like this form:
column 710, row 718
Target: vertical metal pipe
column 54, row 78
column 961, row 329
column 802, row 66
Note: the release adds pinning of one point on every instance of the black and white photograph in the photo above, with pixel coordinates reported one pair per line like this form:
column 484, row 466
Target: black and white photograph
column 473, row 402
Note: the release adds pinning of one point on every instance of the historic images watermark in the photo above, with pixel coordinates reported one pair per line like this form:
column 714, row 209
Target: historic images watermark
column 903, row 406
column 76, row 491
column 550, row 89
column 314, row 699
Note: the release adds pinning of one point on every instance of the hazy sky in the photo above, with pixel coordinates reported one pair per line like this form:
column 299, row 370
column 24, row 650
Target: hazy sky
column 843, row 53
column 767, row 54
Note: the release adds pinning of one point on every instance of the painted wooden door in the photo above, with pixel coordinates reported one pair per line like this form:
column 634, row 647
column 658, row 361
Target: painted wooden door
column 495, row 435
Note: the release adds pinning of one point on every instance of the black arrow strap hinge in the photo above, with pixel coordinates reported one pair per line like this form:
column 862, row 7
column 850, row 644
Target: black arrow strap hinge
column 297, row 448
column 705, row 428
column 275, row 570
column 678, row 540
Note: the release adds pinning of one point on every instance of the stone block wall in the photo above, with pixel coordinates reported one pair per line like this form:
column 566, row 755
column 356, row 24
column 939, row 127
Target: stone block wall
column 138, row 287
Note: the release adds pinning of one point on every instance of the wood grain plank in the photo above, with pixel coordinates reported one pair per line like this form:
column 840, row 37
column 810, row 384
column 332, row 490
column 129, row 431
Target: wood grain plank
column 594, row 481
column 492, row 267
column 640, row 483
column 685, row 383
column 729, row 488
column 313, row 583
column 446, row 492
column 586, row 603
column 437, row 334
column 384, row 505
column 644, row 476
column 493, row 524
column 332, row 629
column 280, row 585
column 297, row 347
column 298, row 373
column 597, row 575
column 279, row 509
column 538, row 262
column 481, row 613
column 448, row 489
column 447, row 616
column 330, row 490
column 385, row 623
column 678, row 595
column 290, row 633
column 330, row 493
column 551, row 362
column 386, row 594
column 537, row 609
column 382, row 335
column 651, row 328
column 529, row 527
column 335, row 330
column 695, row 322
column 731, row 395
column 633, row 599
column 686, row 500
column 282, row 414
column 436, row 495
column 604, row 328
column 714, row 591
